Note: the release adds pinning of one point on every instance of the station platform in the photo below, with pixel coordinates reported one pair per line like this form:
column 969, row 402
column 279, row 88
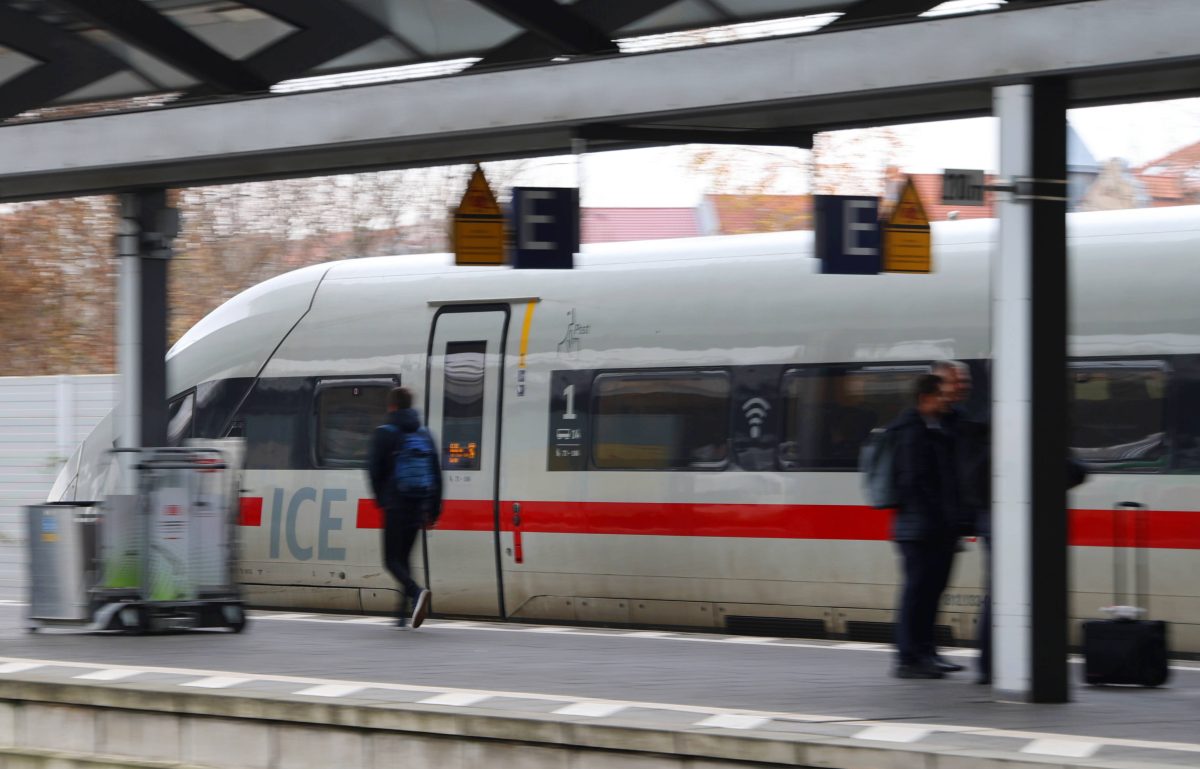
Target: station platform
column 778, row 701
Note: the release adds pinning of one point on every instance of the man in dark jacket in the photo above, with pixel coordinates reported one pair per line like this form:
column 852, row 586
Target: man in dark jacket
column 973, row 444
column 404, row 517
column 924, row 526
column 972, row 435
column 973, row 448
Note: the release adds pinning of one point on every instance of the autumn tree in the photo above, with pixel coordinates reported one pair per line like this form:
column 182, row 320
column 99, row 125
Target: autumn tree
column 235, row 236
column 840, row 163
column 56, row 300
column 853, row 162
column 57, row 303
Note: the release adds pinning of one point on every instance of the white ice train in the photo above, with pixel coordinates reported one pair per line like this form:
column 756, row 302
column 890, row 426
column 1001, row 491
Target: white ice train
column 667, row 435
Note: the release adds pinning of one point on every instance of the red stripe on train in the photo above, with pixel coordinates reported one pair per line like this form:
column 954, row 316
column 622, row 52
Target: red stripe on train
column 704, row 520
column 370, row 516
column 250, row 511
column 1166, row 529
column 457, row 515
column 1169, row 529
column 1177, row 529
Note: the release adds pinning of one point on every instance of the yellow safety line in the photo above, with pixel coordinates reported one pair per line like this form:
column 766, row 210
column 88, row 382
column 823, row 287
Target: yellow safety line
column 525, row 333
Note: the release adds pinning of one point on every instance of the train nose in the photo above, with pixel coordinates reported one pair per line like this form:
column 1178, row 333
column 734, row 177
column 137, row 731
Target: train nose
column 65, row 483
column 85, row 474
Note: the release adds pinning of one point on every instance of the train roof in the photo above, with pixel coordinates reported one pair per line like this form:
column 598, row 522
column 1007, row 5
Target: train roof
column 254, row 321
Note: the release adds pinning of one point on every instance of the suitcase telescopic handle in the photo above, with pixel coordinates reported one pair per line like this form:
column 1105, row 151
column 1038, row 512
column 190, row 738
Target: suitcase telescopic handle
column 1127, row 517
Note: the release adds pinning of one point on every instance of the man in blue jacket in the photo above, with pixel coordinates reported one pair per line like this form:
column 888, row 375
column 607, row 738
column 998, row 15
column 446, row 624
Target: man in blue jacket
column 404, row 515
column 924, row 526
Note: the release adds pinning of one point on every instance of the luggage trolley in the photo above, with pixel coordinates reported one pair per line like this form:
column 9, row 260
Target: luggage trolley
column 163, row 559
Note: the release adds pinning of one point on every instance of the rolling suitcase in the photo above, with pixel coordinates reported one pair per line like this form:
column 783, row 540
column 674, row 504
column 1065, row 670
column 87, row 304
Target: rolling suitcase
column 1126, row 649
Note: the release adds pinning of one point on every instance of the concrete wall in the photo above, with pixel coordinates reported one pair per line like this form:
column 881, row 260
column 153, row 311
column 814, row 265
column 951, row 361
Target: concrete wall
column 42, row 420
column 80, row 726
column 69, row 727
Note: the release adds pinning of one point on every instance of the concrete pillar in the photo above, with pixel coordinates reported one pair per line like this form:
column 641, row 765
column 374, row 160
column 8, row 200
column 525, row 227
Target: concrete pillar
column 1029, row 444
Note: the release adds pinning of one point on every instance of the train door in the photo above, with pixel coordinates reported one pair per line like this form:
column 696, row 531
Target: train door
column 466, row 356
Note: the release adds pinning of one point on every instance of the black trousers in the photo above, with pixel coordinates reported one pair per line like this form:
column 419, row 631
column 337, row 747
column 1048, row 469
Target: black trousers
column 400, row 531
column 926, row 565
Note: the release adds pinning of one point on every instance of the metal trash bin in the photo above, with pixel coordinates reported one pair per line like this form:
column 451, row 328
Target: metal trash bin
column 62, row 560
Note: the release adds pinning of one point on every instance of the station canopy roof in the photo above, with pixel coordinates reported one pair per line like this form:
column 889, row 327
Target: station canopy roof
column 135, row 54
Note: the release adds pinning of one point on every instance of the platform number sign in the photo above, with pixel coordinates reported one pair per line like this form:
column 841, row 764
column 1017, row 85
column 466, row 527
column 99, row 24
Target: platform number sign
column 569, row 419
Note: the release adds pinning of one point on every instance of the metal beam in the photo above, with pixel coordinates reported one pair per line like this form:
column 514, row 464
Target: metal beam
column 1049, row 313
column 606, row 15
column 882, row 12
column 327, row 29
column 649, row 135
column 557, row 24
column 719, row 10
column 135, row 22
column 856, row 77
column 69, row 62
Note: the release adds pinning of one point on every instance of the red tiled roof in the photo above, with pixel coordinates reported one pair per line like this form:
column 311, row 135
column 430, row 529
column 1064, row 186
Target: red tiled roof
column 740, row 214
column 608, row 225
column 929, row 188
column 1162, row 187
column 1178, row 161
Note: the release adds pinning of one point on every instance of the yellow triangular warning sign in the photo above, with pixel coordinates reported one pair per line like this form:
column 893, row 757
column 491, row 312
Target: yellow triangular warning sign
column 909, row 212
column 478, row 200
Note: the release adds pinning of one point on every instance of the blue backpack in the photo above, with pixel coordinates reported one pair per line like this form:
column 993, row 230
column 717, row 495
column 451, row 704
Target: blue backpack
column 414, row 471
column 877, row 463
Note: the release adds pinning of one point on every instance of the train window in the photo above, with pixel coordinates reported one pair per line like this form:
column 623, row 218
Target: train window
column 462, row 405
column 179, row 419
column 1118, row 415
column 347, row 414
column 661, row 421
column 828, row 413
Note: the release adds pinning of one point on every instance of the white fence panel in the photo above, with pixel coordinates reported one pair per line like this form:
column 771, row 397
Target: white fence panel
column 42, row 421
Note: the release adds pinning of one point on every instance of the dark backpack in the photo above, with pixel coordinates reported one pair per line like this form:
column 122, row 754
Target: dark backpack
column 877, row 463
column 414, row 469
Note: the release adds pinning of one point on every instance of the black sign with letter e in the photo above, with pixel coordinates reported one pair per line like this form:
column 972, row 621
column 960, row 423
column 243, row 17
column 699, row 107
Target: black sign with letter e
column 847, row 233
column 545, row 227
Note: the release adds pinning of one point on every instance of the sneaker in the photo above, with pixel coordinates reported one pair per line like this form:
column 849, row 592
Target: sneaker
column 401, row 623
column 420, row 609
column 923, row 669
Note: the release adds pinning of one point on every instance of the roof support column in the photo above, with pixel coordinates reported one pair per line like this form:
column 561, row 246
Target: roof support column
column 146, row 227
column 1029, row 444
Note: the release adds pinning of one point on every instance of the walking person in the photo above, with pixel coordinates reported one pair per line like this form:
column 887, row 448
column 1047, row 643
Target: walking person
column 406, row 479
column 926, row 485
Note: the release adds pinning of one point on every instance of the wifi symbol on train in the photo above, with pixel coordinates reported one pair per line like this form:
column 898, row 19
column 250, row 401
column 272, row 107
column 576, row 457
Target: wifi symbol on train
column 756, row 410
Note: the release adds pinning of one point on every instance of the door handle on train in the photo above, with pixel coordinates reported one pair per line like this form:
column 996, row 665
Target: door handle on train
column 518, row 550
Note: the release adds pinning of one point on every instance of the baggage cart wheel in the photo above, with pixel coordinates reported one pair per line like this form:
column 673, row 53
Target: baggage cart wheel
column 135, row 619
column 235, row 617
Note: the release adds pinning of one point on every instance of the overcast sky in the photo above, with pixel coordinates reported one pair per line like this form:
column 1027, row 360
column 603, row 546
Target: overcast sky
column 658, row 177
